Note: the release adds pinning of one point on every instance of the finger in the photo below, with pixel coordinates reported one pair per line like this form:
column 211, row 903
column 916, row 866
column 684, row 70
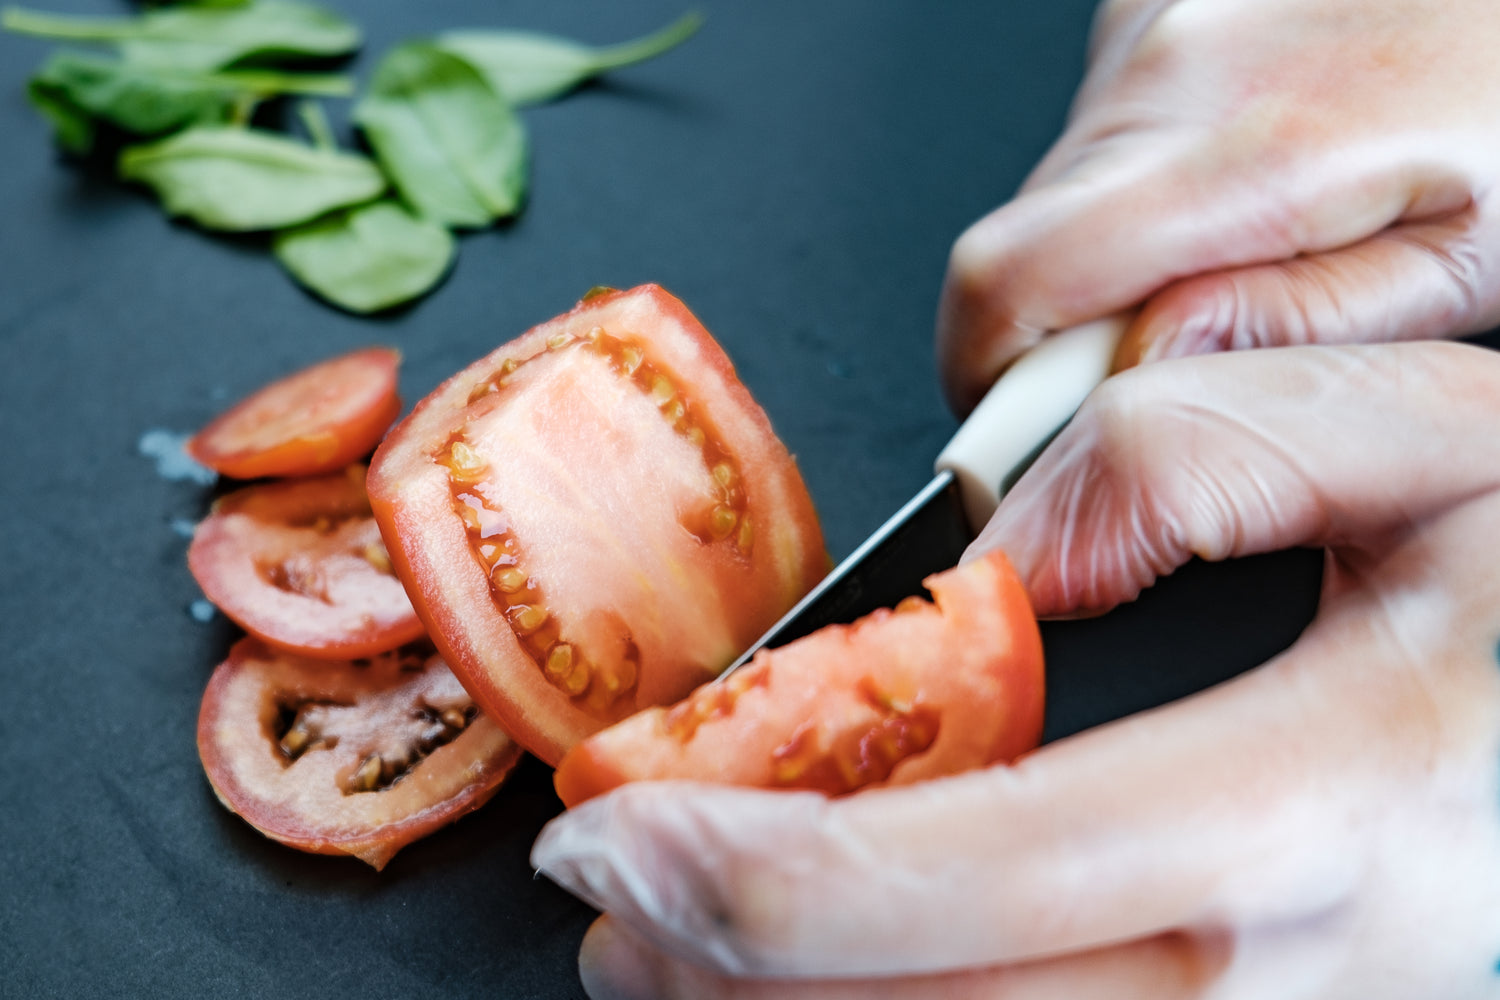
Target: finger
column 1138, row 213
column 1229, row 455
column 1207, row 813
column 617, row 964
column 1415, row 281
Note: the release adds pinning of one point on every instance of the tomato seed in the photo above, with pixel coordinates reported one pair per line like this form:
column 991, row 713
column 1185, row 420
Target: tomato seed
column 510, row 579
column 528, row 617
column 376, row 555
column 466, row 463
column 295, row 741
column 577, row 681
column 662, row 390
column 368, row 775
column 559, row 660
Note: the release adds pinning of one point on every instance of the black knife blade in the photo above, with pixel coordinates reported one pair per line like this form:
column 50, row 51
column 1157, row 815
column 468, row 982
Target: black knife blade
column 1035, row 397
column 926, row 536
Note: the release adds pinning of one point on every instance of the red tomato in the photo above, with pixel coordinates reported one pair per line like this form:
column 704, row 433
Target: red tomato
column 318, row 420
column 356, row 758
column 301, row 565
column 594, row 518
column 919, row 692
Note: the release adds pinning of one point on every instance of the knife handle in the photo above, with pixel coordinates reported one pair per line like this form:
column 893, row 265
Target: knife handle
column 1029, row 404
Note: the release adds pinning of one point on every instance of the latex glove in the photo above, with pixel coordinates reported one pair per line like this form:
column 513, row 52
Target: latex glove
column 1324, row 827
column 1254, row 172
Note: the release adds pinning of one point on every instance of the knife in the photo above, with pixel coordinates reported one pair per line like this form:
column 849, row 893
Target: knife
column 1017, row 418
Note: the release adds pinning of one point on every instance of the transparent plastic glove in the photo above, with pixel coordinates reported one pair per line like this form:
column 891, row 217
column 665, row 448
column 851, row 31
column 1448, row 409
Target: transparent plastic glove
column 1324, row 827
column 1252, row 172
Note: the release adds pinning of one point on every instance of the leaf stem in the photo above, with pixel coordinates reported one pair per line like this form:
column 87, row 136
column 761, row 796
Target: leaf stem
column 649, row 46
column 316, row 123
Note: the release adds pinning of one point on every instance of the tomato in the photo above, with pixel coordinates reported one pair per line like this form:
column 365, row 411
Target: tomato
column 921, row 691
column 594, row 518
column 301, row 564
column 315, row 421
column 356, row 758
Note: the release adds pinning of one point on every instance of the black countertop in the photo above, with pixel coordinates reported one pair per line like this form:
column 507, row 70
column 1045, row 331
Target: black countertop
column 796, row 173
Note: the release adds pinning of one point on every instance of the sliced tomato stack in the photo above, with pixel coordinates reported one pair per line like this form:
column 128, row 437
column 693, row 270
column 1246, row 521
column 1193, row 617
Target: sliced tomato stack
column 333, row 728
column 588, row 523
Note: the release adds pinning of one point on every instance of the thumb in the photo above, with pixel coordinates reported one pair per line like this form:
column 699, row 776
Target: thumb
column 1415, row 281
column 1235, row 454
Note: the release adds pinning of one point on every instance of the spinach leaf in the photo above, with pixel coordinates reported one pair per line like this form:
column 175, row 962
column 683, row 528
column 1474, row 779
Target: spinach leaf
column 368, row 258
column 72, row 127
column 203, row 37
column 243, row 180
column 527, row 68
column 455, row 150
column 148, row 100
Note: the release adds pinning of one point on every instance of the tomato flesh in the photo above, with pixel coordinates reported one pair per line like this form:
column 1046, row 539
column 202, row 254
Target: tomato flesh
column 594, row 518
column 921, row 691
column 315, row 421
column 347, row 758
column 301, row 564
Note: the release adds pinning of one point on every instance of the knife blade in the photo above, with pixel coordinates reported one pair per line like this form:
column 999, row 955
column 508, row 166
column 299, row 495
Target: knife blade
column 1017, row 418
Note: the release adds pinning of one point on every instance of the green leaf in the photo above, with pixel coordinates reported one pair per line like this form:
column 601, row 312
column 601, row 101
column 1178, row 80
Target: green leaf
column 243, row 180
column 148, row 100
column 455, row 151
column 203, row 37
column 368, row 258
column 72, row 126
column 528, row 68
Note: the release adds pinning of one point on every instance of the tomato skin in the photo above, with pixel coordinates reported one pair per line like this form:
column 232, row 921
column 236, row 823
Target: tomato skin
column 300, row 564
column 900, row 696
column 314, row 421
column 597, row 489
column 305, row 801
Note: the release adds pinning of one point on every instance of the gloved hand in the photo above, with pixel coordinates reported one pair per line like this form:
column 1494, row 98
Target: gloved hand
column 1324, row 827
column 1254, row 172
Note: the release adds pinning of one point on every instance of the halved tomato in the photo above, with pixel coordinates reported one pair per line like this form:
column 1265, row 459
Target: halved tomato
column 901, row 695
column 317, row 420
column 356, row 758
column 301, row 564
column 594, row 518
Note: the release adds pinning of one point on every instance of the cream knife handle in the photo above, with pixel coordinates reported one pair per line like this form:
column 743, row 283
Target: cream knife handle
column 1037, row 394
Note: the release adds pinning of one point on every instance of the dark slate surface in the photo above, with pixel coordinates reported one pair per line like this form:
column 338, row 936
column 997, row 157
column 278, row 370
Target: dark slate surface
column 796, row 173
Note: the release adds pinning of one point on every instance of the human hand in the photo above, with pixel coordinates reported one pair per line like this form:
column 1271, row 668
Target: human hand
column 1250, row 173
column 1324, row 827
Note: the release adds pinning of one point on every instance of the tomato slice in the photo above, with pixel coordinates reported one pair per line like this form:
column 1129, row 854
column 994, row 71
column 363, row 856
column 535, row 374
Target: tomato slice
column 315, row 421
column 921, row 691
column 594, row 518
column 356, row 758
column 301, row 564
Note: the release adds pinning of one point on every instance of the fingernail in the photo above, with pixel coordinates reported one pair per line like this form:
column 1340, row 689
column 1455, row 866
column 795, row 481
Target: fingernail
column 614, row 965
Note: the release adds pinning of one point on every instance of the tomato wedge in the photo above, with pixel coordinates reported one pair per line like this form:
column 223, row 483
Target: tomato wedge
column 594, row 518
column 921, row 691
column 357, row 758
column 315, row 421
column 301, row 564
